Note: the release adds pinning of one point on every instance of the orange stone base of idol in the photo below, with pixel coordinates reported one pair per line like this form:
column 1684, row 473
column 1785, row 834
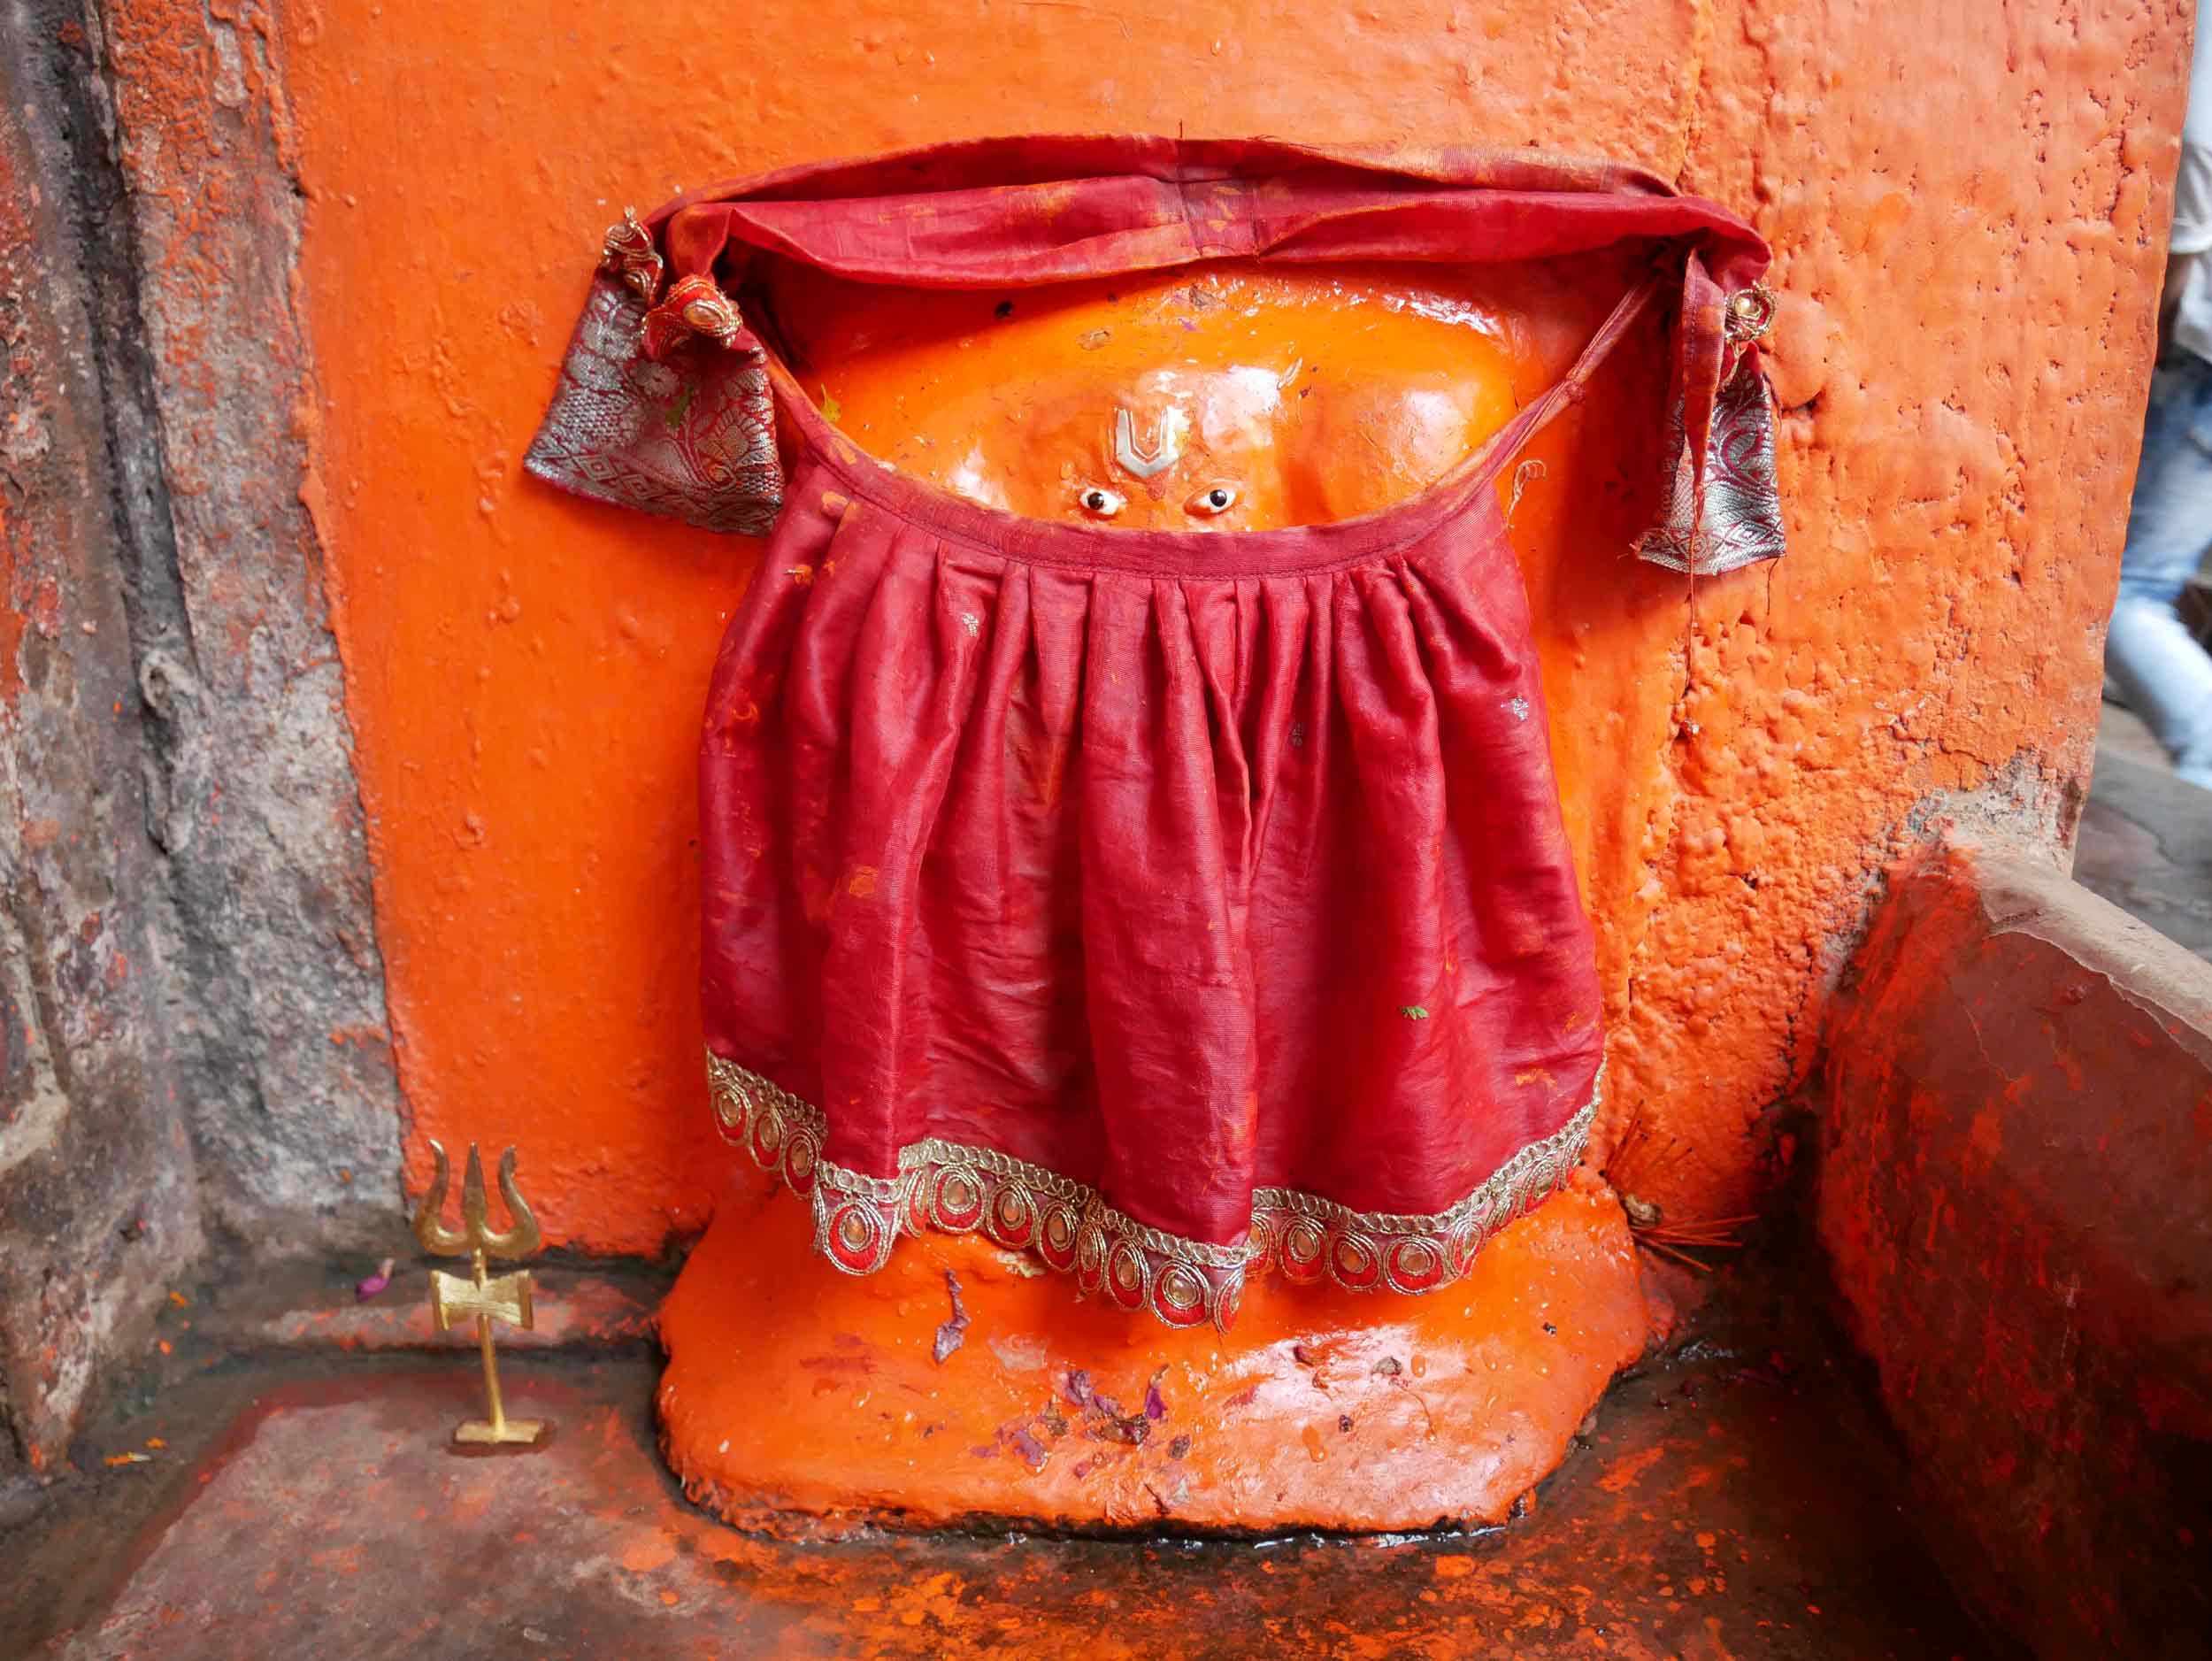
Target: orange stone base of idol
column 796, row 1397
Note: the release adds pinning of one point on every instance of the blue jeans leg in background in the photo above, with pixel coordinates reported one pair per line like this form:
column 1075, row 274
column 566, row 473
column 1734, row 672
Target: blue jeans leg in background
column 2164, row 674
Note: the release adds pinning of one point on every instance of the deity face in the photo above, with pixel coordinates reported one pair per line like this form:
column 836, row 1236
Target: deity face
column 1171, row 448
column 1227, row 398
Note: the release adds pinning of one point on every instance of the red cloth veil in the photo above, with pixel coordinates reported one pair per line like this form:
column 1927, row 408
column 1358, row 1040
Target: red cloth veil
column 1169, row 905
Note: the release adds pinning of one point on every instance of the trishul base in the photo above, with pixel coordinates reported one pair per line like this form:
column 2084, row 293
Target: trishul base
column 477, row 1432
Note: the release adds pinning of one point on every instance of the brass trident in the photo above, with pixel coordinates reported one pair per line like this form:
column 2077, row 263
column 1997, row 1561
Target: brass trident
column 506, row 1297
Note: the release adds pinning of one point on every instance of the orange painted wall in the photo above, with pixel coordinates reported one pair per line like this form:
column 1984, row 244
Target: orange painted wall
column 1968, row 201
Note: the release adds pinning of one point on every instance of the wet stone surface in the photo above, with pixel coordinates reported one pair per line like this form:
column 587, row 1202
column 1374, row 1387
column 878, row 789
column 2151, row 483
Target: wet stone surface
column 1736, row 1501
column 2146, row 843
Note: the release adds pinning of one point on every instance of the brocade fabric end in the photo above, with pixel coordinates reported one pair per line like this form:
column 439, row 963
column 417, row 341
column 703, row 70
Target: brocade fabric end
column 695, row 439
column 1734, row 519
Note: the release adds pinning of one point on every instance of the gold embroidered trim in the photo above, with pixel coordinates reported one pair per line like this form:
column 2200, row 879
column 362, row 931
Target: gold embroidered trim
column 954, row 1188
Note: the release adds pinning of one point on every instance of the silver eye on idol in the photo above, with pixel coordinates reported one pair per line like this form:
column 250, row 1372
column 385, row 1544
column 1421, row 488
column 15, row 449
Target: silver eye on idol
column 1099, row 502
column 1217, row 499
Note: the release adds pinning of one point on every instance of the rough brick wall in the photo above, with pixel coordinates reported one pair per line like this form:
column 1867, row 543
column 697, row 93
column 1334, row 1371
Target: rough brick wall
column 282, row 1052
column 191, row 1005
column 96, row 1199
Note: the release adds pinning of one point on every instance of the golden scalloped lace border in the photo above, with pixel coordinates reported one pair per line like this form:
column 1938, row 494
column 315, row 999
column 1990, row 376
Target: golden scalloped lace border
column 952, row 1187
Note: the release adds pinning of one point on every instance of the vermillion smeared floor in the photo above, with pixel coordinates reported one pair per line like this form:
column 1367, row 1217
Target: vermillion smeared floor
column 1734, row 1503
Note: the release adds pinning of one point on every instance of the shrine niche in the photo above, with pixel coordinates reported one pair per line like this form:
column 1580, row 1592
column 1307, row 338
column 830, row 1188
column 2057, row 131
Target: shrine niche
column 1130, row 840
column 354, row 772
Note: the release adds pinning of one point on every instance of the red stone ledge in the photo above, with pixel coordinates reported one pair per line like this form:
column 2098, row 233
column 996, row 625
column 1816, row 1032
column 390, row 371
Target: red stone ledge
column 2016, row 1194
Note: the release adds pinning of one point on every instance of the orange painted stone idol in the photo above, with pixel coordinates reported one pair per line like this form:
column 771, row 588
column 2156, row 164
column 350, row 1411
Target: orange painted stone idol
column 1128, row 824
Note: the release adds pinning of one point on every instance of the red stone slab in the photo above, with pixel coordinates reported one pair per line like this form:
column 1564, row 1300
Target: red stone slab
column 2017, row 1194
column 1731, row 1507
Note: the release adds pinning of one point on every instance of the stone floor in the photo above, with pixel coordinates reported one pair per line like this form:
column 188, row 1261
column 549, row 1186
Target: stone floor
column 277, row 1481
column 1737, row 1501
column 2145, row 841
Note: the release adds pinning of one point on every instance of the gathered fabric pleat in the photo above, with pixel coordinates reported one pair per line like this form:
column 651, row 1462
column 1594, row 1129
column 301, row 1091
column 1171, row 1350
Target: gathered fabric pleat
column 1160, row 922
